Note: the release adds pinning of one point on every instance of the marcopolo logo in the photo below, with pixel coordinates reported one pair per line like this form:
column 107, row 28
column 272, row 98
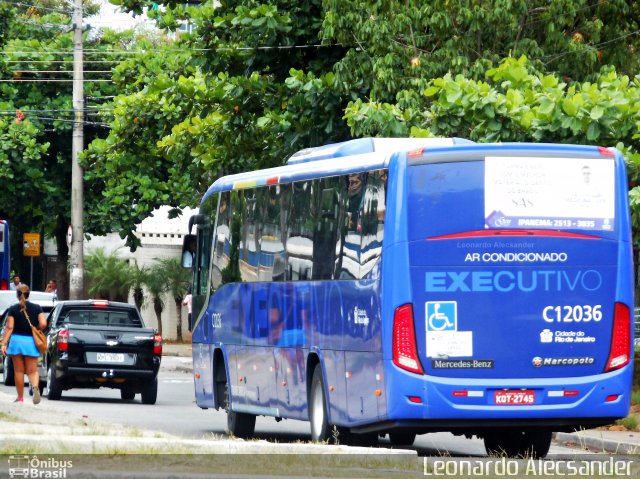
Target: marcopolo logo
column 505, row 281
column 583, row 361
column 34, row 467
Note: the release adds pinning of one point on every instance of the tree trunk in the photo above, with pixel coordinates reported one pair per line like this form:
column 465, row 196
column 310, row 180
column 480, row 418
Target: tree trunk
column 157, row 307
column 138, row 297
column 179, row 325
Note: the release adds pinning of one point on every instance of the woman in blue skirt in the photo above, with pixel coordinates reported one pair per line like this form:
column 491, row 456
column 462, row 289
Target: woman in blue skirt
column 18, row 341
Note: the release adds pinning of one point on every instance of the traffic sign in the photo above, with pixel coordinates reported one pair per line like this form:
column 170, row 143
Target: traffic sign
column 31, row 244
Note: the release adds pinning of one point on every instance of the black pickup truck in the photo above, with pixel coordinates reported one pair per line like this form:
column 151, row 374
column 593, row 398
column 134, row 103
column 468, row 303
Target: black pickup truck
column 97, row 343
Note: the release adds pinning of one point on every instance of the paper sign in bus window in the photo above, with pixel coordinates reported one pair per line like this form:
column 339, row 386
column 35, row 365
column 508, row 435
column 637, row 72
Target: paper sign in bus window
column 558, row 193
column 449, row 344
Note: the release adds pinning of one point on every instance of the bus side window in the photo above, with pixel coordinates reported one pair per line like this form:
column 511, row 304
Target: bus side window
column 201, row 273
column 300, row 233
column 373, row 213
column 221, row 241
column 327, row 230
column 352, row 225
column 250, row 244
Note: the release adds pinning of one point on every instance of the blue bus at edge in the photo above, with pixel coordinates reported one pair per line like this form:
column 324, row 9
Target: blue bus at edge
column 5, row 253
column 405, row 286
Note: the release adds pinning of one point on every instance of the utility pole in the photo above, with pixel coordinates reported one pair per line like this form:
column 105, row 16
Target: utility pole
column 76, row 254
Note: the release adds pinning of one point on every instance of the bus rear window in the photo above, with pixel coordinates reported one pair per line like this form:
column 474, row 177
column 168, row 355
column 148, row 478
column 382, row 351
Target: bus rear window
column 529, row 193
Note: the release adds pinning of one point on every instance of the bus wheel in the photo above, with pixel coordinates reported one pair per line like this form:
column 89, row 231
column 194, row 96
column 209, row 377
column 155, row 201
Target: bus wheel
column 239, row 424
column 402, row 438
column 536, row 444
column 320, row 428
column 504, row 443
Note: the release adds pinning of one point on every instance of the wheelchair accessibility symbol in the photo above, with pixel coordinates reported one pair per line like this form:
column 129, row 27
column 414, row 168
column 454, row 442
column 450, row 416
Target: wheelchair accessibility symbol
column 442, row 315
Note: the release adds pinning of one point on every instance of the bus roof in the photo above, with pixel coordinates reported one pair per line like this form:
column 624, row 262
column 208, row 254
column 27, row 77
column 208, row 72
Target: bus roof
column 369, row 145
column 335, row 159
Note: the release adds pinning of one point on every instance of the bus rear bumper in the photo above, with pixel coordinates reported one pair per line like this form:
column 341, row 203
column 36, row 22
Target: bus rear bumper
column 560, row 404
column 479, row 427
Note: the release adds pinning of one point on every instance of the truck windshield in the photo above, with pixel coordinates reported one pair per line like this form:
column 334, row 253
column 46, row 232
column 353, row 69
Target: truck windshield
column 102, row 318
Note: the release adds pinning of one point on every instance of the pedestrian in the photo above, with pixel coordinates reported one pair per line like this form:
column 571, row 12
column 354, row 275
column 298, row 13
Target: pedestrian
column 16, row 282
column 18, row 342
column 187, row 302
column 52, row 287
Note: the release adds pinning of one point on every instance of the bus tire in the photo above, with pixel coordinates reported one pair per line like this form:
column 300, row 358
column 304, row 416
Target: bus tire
column 7, row 372
column 402, row 438
column 320, row 427
column 536, row 444
column 239, row 424
column 504, row 443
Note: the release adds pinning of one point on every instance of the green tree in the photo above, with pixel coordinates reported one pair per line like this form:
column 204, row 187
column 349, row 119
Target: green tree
column 139, row 276
column 35, row 73
column 250, row 87
column 399, row 45
column 177, row 281
column 108, row 276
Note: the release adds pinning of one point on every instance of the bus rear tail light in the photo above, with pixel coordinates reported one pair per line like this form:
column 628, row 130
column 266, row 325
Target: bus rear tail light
column 620, row 351
column 405, row 352
column 157, row 344
column 4, row 285
column 63, row 340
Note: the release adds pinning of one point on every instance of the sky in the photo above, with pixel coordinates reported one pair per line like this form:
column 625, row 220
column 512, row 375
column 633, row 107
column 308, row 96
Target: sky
column 111, row 16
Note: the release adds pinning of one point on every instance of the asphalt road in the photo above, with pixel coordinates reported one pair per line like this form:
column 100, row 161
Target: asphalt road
column 176, row 413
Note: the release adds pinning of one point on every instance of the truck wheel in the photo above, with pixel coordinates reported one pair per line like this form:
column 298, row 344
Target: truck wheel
column 126, row 393
column 402, row 438
column 320, row 427
column 239, row 424
column 54, row 391
column 536, row 444
column 150, row 392
column 7, row 372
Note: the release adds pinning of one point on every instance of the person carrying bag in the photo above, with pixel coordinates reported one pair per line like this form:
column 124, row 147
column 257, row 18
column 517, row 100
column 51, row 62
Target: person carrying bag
column 19, row 342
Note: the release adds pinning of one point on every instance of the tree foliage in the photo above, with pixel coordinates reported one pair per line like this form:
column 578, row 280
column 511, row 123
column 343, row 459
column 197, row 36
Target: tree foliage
column 396, row 45
column 250, row 86
column 244, row 92
column 108, row 275
column 36, row 116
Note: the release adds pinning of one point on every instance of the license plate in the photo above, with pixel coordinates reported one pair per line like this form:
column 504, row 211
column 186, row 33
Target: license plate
column 110, row 357
column 520, row 397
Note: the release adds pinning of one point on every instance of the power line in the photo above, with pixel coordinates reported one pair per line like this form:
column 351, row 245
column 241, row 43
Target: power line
column 60, row 61
column 171, row 50
column 52, row 80
column 39, row 7
column 59, row 71
column 596, row 45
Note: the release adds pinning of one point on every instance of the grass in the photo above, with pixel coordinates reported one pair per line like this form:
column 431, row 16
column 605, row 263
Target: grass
column 632, row 421
column 5, row 416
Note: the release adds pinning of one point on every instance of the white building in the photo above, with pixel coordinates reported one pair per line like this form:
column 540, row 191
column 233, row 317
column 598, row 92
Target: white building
column 160, row 238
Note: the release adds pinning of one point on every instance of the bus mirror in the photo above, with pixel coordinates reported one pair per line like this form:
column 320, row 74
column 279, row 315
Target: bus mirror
column 196, row 220
column 188, row 250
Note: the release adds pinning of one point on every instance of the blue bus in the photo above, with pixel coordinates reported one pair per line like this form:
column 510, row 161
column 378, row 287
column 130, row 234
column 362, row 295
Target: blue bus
column 405, row 286
column 5, row 253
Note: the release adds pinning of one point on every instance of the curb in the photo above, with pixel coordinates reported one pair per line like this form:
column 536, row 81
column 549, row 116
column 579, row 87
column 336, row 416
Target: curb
column 593, row 442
